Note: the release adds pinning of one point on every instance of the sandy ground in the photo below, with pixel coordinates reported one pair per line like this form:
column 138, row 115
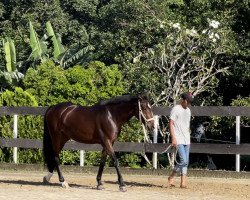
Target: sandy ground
column 28, row 185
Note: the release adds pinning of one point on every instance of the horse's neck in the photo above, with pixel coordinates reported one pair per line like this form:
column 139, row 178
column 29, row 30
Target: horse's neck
column 123, row 112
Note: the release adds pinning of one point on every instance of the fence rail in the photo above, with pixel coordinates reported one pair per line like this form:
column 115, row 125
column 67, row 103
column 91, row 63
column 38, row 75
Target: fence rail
column 196, row 110
column 243, row 149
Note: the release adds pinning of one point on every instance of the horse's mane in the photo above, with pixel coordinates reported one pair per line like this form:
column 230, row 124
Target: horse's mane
column 118, row 99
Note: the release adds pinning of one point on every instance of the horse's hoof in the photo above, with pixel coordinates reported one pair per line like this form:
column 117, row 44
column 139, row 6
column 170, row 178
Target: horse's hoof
column 99, row 187
column 122, row 189
column 65, row 184
column 45, row 182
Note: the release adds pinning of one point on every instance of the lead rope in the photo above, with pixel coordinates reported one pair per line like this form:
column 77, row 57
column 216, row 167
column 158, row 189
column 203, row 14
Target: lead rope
column 143, row 126
column 145, row 133
column 171, row 156
column 148, row 141
column 172, row 159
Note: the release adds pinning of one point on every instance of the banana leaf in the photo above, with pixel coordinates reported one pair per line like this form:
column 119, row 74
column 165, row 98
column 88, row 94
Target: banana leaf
column 10, row 54
column 39, row 48
column 57, row 43
column 76, row 56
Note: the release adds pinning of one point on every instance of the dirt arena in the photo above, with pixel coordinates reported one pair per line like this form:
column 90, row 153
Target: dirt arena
column 23, row 184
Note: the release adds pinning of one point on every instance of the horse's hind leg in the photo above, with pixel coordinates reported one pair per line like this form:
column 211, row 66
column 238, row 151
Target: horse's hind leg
column 59, row 171
column 101, row 167
column 59, row 147
column 51, row 166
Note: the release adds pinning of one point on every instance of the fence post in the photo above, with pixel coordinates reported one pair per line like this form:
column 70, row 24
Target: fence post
column 15, row 132
column 156, row 119
column 237, row 164
column 82, row 157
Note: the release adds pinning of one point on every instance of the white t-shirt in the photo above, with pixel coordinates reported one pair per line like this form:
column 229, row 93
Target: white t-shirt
column 181, row 118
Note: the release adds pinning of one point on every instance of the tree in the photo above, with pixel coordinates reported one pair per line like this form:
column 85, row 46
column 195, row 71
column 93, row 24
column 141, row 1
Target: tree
column 185, row 60
column 234, row 16
column 15, row 17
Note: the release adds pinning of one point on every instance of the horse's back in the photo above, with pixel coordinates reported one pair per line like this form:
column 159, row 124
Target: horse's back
column 57, row 109
column 60, row 106
column 81, row 123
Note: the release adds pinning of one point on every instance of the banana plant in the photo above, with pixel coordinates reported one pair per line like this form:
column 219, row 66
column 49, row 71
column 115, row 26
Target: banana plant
column 10, row 76
column 57, row 43
column 76, row 55
column 10, row 54
column 69, row 57
column 39, row 47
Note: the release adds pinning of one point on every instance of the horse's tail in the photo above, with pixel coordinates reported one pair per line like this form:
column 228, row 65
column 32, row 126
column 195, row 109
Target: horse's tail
column 48, row 152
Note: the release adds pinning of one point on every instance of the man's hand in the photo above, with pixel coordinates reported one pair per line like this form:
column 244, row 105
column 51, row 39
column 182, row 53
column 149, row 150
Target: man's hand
column 174, row 143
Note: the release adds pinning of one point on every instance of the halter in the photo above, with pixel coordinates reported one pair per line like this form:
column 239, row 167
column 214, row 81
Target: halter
column 141, row 115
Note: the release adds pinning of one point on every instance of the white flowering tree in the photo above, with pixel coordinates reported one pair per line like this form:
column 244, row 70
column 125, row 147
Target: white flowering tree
column 187, row 59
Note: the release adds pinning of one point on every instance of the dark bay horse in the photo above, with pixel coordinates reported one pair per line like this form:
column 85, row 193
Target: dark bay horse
column 97, row 124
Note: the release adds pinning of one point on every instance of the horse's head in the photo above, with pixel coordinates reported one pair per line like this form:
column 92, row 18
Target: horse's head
column 145, row 111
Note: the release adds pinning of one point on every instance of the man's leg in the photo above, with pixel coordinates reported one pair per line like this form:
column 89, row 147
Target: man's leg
column 177, row 167
column 171, row 178
column 185, row 158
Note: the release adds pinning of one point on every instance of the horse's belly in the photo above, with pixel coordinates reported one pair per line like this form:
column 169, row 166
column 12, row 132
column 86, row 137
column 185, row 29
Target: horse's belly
column 83, row 137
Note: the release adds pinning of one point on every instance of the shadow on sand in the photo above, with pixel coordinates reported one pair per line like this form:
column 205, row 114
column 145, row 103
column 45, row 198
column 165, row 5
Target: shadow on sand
column 36, row 183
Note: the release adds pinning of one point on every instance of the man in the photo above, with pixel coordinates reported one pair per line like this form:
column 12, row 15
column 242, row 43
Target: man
column 179, row 127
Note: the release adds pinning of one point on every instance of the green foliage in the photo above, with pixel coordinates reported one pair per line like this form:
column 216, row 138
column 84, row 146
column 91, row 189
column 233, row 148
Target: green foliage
column 76, row 55
column 10, row 80
column 57, row 43
column 70, row 157
column 17, row 98
column 131, row 132
column 51, row 84
column 131, row 160
column 242, row 101
column 93, row 158
column 47, row 83
column 28, row 126
column 223, row 128
column 9, row 75
column 10, row 54
column 38, row 46
column 179, row 63
column 17, row 14
column 84, row 9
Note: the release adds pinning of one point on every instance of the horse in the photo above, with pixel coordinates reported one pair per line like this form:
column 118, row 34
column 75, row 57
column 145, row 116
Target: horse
column 97, row 124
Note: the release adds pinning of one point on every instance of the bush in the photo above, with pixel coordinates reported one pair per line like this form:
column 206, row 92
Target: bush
column 28, row 126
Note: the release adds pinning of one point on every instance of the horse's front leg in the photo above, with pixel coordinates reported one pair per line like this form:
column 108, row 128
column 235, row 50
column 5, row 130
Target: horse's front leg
column 101, row 167
column 108, row 146
column 122, row 186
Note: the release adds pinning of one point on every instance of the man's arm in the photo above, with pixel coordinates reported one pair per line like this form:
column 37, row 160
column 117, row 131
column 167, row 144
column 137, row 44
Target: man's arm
column 172, row 134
